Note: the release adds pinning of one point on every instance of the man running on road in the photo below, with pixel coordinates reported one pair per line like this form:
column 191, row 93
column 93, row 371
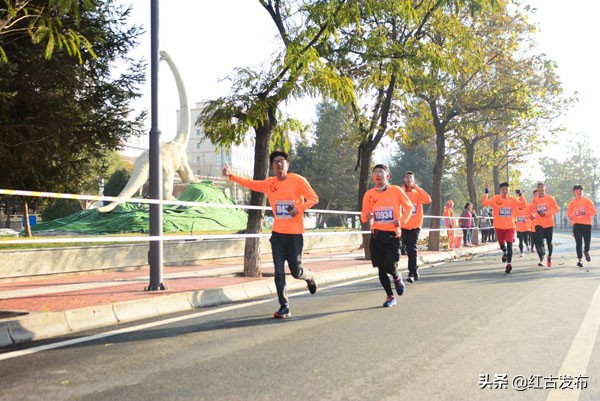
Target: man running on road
column 542, row 209
column 412, row 229
column 390, row 208
column 289, row 195
column 580, row 211
column 505, row 209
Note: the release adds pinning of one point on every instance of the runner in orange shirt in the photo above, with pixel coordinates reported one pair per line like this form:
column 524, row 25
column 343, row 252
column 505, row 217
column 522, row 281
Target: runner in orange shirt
column 412, row 229
column 289, row 195
column 523, row 221
column 390, row 209
column 542, row 209
column 505, row 209
column 580, row 211
column 449, row 220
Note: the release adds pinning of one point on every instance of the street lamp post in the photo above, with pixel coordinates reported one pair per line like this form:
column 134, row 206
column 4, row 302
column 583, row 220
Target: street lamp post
column 155, row 255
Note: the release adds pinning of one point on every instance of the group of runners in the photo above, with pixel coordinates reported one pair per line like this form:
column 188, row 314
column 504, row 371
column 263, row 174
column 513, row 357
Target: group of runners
column 533, row 222
column 396, row 216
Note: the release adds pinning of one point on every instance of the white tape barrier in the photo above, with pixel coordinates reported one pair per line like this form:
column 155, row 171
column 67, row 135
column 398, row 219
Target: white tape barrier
column 133, row 239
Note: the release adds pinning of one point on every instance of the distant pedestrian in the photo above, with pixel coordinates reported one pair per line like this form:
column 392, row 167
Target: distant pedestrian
column 389, row 208
column 580, row 211
column 412, row 229
column 289, row 195
column 505, row 208
column 484, row 225
column 466, row 222
column 543, row 207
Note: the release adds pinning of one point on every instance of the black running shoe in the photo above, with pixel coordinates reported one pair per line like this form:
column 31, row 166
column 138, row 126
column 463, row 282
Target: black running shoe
column 504, row 258
column 410, row 279
column 312, row 285
column 282, row 313
column 587, row 256
column 508, row 268
column 579, row 264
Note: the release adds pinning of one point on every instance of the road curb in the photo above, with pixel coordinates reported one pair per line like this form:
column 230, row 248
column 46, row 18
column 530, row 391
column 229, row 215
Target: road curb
column 38, row 326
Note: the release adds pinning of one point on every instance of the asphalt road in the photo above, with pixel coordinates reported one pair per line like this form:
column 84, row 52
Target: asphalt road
column 465, row 331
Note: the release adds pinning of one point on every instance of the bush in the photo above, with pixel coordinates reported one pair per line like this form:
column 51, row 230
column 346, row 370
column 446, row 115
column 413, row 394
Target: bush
column 60, row 208
column 116, row 182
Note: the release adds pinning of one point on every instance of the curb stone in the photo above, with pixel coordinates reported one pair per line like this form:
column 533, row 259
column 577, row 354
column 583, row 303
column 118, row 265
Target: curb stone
column 38, row 326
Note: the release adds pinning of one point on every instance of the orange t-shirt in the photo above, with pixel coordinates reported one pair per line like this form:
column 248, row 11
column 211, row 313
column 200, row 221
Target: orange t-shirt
column 580, row 211
column 418, row 197
column 545, row 203
column 293, row 191
column 523, row 220
column 505, row 209
column 387, row 207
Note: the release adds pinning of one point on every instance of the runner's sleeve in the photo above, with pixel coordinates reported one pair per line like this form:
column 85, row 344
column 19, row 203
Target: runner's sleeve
column 570, row 211
column 553, row 207
column 255, row 185
column 308, row 193
column 592, row 207
column 424, row 197
column 364, row 213
column 485, row 201
column 407, row 206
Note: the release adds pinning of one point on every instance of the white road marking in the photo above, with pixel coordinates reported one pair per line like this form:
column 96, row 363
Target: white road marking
column 576, row 362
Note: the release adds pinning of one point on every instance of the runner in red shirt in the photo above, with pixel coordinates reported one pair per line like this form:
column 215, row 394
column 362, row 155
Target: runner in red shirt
column 580, row 211
column 505, row 209
column 289, row 195
column 390, row 209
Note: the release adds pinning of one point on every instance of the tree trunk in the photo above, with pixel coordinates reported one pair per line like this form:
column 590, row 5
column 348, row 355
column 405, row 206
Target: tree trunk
column 8, row 203
column 470, row 160
column 255, row 217
column 495, row 178
column 436, row 190
column 26, row 218
column 366, row 150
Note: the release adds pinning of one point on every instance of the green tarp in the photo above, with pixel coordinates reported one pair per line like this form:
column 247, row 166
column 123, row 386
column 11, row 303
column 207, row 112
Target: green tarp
column 133, row 218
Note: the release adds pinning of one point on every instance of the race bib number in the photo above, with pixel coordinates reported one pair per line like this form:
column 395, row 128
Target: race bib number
column 383, row 215
column 542, row 208
column 414, row 209
column 521, row 219
column 282, row 209
column 505, row 212
column 580, row 212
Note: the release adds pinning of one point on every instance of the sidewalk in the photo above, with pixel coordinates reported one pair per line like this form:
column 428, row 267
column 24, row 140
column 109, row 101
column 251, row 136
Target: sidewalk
column 36, row 309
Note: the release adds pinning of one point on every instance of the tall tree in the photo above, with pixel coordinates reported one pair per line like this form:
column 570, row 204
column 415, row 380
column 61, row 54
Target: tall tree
column 375, row 51
column 328, row 163
column 55, row 131
column 379, row 52
column 53, row 23
column 296, row 70
column 492, row 91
